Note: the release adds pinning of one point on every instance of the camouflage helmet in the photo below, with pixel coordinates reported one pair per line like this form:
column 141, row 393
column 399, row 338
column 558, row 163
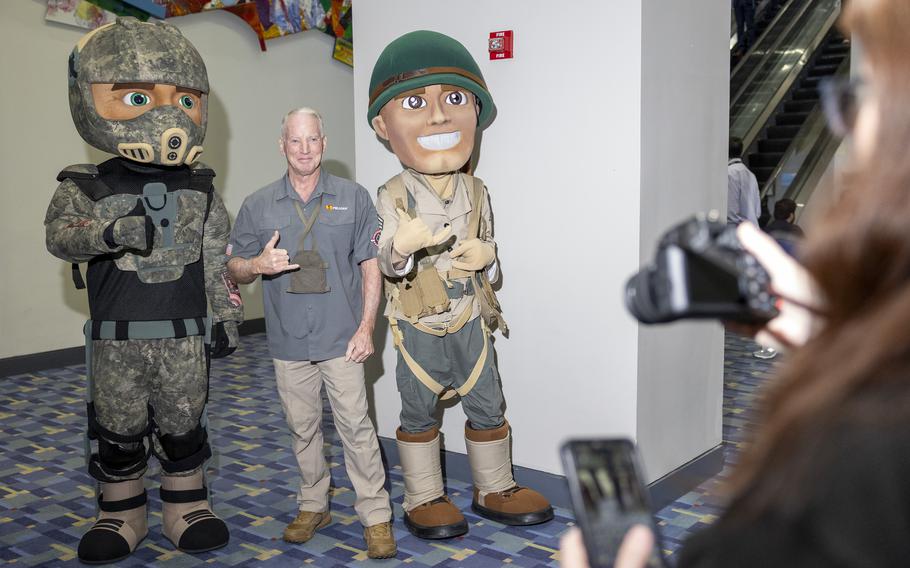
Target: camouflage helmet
column 422, row 58
column 130, row 51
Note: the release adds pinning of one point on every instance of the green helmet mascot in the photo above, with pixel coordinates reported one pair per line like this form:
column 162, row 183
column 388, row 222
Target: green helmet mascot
column 428, row 99
column 154, row 235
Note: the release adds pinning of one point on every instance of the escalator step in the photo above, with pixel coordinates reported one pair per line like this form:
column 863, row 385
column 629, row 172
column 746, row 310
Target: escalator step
column 799, row 106
column 773, row 146
column 791, row 118
column 761, row 160
column 809, row 83
column 778, row 132
column 762, row 174
column 837, row 48
column 822, row 70
column 805, row 95
column 829, row 59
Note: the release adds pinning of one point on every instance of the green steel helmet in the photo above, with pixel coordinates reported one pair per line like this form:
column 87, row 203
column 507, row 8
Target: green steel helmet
column 130, row 51
column 422, row 58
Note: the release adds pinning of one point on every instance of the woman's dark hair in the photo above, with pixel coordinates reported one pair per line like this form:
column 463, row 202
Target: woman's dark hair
column 858, row 252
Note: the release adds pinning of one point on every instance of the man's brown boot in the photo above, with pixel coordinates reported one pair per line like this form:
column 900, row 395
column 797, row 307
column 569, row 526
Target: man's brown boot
column 496, row 495
column 302, row 528
column 428, row 513
column 380, row 541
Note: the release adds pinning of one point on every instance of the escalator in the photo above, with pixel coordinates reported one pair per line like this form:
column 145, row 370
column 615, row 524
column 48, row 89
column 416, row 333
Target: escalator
column 774, row 100
column 799, row 103
column 766, row 13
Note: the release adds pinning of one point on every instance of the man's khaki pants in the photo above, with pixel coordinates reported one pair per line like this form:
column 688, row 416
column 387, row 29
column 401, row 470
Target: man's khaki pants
column 299, row 384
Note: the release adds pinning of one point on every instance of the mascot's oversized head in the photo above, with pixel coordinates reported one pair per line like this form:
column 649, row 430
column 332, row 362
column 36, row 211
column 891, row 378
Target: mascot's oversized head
column 139, row 90
column 428, row 98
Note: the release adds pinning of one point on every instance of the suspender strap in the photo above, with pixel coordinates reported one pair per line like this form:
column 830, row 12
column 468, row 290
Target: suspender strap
column 77, row 277
column 444, row 393
column 308, row 223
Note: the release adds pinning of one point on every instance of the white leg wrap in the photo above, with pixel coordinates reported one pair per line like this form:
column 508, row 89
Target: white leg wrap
column 491, row 465
column 420, row 464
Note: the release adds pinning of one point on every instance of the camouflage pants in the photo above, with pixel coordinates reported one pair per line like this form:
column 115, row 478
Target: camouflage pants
column 167, row 374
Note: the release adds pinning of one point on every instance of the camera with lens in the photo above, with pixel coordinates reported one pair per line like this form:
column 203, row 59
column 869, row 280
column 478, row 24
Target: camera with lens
column 701, row 271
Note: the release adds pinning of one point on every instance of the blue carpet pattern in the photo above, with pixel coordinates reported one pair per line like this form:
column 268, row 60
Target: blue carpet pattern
column 46, row 496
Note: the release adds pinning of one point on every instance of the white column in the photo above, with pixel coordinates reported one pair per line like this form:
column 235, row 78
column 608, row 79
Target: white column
column 565, row 163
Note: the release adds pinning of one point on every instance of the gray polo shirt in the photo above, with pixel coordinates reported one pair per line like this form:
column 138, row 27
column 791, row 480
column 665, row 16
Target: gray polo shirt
column 310, row 327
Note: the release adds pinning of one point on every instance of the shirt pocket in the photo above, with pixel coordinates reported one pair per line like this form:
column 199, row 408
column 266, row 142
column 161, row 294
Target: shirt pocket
column 272, row 223
column 337, row 225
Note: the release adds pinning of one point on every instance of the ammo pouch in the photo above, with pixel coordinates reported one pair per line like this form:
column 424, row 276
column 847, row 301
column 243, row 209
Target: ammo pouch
column 310, row 278
column 422, row 293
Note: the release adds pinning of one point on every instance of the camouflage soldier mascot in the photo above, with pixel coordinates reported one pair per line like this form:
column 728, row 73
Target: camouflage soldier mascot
column 436, row 249
column 153, row 233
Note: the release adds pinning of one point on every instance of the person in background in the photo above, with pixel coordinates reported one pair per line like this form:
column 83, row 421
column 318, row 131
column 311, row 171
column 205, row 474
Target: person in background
column 744, row 11
column 784, row 228
column 823, row 482
column 742, row 188
column 787, row 234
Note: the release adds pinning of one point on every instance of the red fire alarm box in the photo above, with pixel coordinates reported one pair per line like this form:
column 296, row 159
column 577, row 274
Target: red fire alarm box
column 500, row 45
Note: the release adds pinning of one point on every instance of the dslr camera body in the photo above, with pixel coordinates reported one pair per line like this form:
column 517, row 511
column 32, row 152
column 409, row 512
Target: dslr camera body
column 701, row 271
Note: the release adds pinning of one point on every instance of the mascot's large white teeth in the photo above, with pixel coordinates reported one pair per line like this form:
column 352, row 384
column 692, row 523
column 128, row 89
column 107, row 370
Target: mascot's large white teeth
column 440, row 141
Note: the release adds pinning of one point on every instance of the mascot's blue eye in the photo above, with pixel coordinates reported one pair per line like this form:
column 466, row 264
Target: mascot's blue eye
column 187, row 102
column 136, row 99
column 413, row 102
column 456, row 98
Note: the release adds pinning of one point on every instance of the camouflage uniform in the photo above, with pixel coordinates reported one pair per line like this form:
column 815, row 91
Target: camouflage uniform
column 154, row 235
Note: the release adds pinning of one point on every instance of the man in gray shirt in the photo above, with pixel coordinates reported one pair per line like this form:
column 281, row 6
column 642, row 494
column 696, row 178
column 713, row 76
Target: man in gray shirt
column 320, row 291
column 743, row 203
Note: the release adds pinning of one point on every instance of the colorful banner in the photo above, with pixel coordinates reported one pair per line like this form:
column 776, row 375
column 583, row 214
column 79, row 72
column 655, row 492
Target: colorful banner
column 269, row 19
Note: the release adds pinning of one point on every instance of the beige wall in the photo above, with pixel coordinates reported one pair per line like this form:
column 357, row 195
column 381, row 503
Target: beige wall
column 39, row 308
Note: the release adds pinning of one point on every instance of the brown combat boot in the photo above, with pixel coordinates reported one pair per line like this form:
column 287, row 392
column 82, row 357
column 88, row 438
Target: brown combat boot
column 302, row 528
column 496, row 495
column 428, row 513
column 380, row 541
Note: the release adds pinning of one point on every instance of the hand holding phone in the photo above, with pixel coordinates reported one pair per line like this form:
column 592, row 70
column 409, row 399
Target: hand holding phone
column 609, row 497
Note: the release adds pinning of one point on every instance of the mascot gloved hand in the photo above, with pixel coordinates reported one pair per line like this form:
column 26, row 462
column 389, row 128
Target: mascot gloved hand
column 155, row 232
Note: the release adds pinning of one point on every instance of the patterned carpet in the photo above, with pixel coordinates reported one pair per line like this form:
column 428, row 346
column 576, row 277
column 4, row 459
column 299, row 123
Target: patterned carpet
column 45, row 494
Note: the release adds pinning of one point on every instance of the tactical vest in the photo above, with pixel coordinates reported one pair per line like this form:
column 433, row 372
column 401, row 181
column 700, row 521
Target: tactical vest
column 423, row 291
column 168, row 279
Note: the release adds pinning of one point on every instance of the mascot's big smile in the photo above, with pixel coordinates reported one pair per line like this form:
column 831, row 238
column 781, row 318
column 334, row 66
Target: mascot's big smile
column 442, row 141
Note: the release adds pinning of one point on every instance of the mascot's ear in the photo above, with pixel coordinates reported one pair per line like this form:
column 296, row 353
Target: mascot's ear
column 379, row 127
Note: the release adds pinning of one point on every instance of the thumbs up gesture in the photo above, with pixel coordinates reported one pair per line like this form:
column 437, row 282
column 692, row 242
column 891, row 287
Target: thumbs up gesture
column 273, row 260
column 413, row 234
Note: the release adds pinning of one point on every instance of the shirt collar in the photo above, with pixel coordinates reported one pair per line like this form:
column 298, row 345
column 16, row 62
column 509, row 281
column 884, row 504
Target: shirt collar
column 323, row 186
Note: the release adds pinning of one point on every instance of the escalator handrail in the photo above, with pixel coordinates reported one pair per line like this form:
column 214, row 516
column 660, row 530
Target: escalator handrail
column 805, row 9
column 760, row 123
column 817, row 114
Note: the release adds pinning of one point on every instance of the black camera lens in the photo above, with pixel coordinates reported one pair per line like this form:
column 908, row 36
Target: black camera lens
column 639, row 299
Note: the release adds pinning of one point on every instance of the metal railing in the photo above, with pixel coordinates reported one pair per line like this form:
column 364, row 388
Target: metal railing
column 753, row 104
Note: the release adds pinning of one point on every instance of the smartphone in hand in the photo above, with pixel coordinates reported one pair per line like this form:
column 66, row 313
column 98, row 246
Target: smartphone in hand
column 609, row 496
